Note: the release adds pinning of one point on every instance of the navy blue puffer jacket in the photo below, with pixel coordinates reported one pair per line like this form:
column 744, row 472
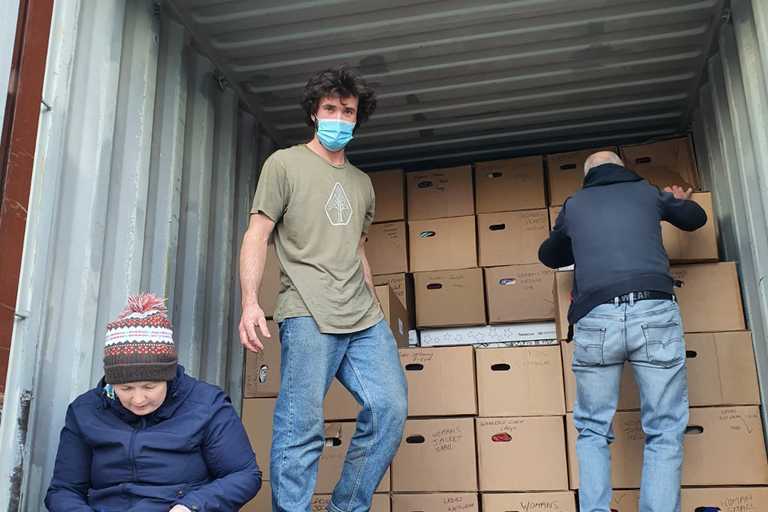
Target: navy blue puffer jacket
column 191, row 451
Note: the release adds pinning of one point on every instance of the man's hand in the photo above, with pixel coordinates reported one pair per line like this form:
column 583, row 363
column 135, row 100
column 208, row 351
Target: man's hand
column 678, row 192
column 179, row 508
column 253, row 316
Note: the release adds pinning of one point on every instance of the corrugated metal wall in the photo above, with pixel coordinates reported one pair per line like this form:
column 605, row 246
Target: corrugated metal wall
column 144, row 171
column 731, row 136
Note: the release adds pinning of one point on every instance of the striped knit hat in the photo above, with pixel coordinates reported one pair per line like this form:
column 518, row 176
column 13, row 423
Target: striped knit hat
column 139, row 345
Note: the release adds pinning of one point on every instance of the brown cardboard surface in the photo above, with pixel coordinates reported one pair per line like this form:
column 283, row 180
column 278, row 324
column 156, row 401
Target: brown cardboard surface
column 562, row 291
column 263, row 501
column 723, row 446
column 693, row 246
column 449, row 298
column 379, row 503
column 402, row 286
column 441, row 381
column 562, row 501
column 629, row 396
column 440, row 193
column 520, row 381
column 625, row 500
column 521, row 454
column 664, row 163
column 262, row 369
column 339, row 404
column 437, row 502
column 511, row 238
column 554, row 211
column 337, row 439
column 257, row 420
column 442, row 244
column 436, row 455
column 270, row 282
column 519, row 293
column 509, row 185
column 721, row 369
column 710, row 298
column 387, row 248
column 394, row 313
column 389, row 187
column 566, row 173
column 725, row 499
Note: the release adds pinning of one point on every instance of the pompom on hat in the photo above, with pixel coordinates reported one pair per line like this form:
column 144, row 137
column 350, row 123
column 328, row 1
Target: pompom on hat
column 139, row 343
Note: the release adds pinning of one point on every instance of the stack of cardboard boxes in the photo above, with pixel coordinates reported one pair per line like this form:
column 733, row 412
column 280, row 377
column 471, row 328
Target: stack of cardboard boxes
column 724, row 443
column 491, row 428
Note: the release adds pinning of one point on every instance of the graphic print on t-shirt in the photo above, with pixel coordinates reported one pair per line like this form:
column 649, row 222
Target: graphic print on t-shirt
column 338, row 208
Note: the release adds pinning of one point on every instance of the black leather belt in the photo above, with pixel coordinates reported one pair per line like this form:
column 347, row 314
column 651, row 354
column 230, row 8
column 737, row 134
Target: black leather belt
column 636, row 296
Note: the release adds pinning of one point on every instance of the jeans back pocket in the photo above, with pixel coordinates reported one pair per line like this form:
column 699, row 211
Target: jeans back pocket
column 664, row 343
column 589, row 343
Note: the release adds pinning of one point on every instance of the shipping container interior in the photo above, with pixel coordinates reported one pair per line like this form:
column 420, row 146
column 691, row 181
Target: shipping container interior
column 161, row 113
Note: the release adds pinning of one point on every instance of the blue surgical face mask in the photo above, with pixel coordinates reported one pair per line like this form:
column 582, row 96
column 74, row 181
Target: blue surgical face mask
column 334, row 134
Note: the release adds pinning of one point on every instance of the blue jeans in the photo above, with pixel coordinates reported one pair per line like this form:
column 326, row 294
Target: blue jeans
column 649, row 334
column 367, row 363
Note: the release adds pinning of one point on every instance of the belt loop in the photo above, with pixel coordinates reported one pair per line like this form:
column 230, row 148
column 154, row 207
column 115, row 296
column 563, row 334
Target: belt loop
column 631, row 298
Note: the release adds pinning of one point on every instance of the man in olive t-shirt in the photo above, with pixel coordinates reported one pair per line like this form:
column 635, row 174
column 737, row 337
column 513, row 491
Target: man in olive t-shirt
column 318, row 207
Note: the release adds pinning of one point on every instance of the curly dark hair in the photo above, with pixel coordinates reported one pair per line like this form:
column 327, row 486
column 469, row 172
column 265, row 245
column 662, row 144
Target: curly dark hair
column 342, row 82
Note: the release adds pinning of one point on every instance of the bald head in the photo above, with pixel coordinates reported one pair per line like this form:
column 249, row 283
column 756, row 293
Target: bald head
column 600, row 158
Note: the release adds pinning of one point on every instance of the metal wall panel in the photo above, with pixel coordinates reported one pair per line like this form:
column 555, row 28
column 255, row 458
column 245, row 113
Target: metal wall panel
column 143, row 175
column 732, row 146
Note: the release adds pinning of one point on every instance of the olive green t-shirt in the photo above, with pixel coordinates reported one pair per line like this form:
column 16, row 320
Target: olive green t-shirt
column 320, row 211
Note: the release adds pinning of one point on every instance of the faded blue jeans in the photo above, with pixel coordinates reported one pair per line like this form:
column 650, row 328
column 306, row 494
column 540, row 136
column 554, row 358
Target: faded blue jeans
column 368, row 364
column 649, row 334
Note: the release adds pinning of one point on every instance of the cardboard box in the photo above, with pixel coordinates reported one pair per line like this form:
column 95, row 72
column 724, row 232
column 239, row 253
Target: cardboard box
column 438, row 502
column 511, row 238
column 262, row 369
column 442, row 244
column 626, row 501
column 449, row 298
column 629, row 396
column 554, row 211
column 521, row 454
column 693, row 246
column 257, row 420
column 389, row 187
column 664, row 163
column 379, row 503
column 725, row 499
column 562, row 291
column 541, row 333
column 723, row 446
column 270, row 282
column 520, row 381
column 440, row 193
column 436, row 456
column 563, row 501
column 441, row 381
column 510, row 185
column 710, row 297
column 566, row 173
column 519, row 293
column 337, row 439
column 339, row 404
column 387, row 248
column 262, row 502
column 402, row 286
column 721, row 369
column 394, row 313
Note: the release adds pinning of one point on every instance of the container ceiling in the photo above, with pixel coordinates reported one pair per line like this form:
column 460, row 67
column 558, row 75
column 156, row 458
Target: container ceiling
column 462, row 81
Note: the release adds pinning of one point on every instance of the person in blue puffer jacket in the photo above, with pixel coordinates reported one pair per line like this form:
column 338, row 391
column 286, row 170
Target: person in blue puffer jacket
column 150, row 438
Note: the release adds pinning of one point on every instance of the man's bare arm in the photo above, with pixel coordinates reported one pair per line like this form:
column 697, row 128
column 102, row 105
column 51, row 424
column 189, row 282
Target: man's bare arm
column 253, row 255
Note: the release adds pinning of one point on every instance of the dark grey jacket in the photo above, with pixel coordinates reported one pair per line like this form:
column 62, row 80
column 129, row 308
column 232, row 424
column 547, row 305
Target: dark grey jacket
column 611, row 231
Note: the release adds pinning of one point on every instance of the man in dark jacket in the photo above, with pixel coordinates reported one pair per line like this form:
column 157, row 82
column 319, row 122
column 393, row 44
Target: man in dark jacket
column 150, row 438
column 623, row 308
